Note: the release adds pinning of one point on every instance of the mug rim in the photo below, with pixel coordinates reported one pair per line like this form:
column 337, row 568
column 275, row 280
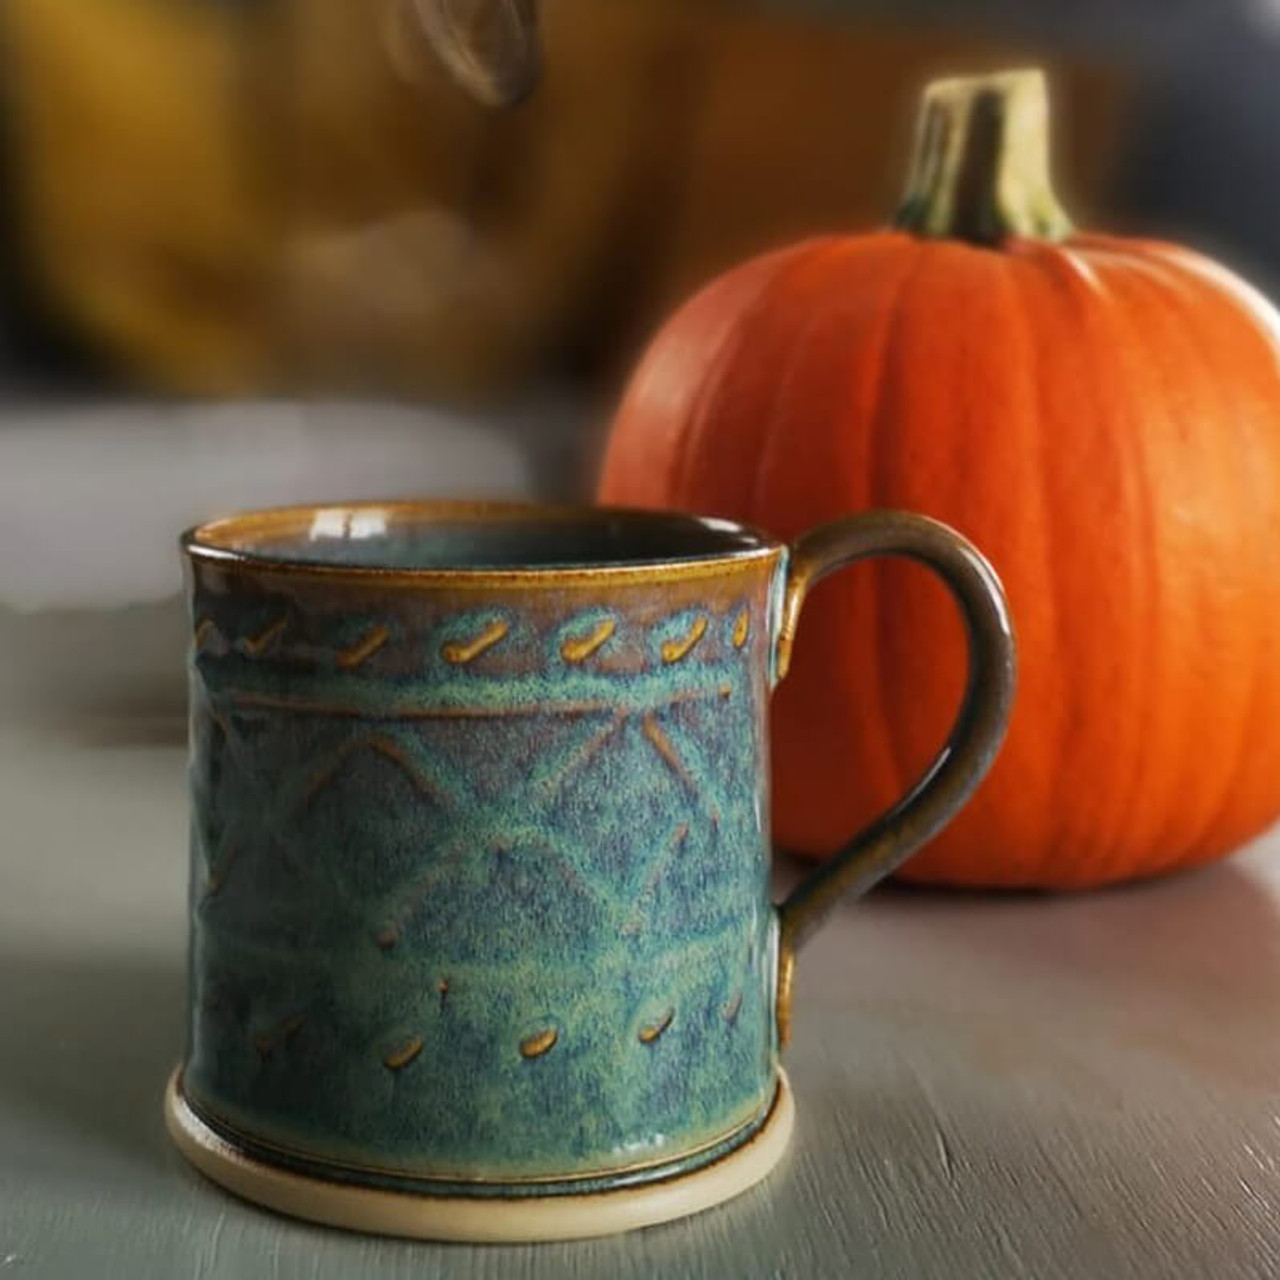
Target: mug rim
column 218, row 543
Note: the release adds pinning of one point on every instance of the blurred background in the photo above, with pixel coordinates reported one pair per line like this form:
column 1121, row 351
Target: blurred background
column 258, row 251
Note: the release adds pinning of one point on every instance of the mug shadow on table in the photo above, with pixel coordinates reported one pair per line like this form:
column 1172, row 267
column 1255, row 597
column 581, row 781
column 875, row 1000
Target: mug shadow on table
column 88, row 1043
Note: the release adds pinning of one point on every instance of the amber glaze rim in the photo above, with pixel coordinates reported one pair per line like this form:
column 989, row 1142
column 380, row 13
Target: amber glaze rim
column 211, row 544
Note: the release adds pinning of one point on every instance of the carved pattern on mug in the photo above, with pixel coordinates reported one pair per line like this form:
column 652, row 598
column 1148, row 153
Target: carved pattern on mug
column 574, row 649
column 400, row 1058
column 574, row 707
column 648, row 1034
column 675, row 842
column 460, row 653
column 203, row 630
column 363, row 649
column 265, row 1042
column 663, row 746
column 676, row 650
column 215, row 876
column 540, row 1042
column 402, row 749
column 256, row 646
column 577, row 649
column 579, row 758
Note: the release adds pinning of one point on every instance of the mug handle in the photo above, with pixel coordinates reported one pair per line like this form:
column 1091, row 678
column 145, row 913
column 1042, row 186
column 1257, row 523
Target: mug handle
column 975, row 738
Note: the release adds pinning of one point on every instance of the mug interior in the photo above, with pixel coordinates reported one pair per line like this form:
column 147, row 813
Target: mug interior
column 432, row 537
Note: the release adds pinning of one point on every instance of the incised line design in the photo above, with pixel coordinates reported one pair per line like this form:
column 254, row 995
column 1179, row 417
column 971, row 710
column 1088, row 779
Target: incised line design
column 362, row 650
column 540, row 1042
column 457, row 711
column 268, row 805
column 400, row 1058
column 647, row 1035
column 662, row 745
column 574, row 649
column 215, row 876
column 256, row 646
column 578, row 649
column 460, row 653
column 383, row 744
column 407, row 756
column 676, row 650
column 676, row 841
column 203, row 629
column 552, row 782
column 265, row 1041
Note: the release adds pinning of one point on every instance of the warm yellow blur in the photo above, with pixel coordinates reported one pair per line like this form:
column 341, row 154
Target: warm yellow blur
column 291, row 195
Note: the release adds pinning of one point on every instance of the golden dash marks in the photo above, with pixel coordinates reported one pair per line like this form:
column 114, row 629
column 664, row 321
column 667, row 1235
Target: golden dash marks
column 265, row 1042
column 400, row 1058
column 363, row 649
column 647, row 1035
column 460, row 653
column 580, row 648
column 675, row 650
column 742, row 629
column 536, row 1045
column 215, row 877
column 256, row 646
column 204, row 629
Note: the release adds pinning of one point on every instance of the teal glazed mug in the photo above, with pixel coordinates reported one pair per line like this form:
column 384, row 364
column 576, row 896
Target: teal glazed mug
column 482, row 942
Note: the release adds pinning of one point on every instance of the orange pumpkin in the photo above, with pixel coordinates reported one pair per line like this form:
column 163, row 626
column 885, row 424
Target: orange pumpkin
column 1100, row 415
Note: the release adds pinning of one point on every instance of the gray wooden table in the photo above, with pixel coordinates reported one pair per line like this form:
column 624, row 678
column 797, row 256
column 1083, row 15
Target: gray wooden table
column 987, row 1086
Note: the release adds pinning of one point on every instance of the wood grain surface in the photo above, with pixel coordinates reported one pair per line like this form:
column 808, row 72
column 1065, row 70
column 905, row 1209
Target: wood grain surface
column 987, row 1087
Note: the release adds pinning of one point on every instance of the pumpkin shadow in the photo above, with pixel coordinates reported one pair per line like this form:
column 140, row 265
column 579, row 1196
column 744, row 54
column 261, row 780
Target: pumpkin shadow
column 87, row 1045
column 1186, row 967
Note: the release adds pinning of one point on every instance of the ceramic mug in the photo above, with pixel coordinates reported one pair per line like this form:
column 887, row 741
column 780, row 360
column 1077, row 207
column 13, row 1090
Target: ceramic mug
column 482, row 942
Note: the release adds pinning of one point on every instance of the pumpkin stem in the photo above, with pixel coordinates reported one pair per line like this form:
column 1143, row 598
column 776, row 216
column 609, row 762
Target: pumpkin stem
column 980, row 166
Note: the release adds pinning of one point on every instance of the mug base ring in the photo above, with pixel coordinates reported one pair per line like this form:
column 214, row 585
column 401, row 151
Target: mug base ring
column 465, row 1218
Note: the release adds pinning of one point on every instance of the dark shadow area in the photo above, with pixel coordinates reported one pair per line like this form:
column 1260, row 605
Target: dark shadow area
column 1186, row 966
column 87, row 1045
column 38, row 352
column 158, row 727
